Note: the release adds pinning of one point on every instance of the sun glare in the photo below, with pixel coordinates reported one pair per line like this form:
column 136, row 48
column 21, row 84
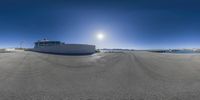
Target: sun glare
column 100, row 36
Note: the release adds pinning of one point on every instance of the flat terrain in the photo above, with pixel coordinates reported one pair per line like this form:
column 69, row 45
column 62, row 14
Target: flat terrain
column 105, row 76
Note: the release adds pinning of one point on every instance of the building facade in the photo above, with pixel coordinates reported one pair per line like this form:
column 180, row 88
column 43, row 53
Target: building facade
column 58, row 47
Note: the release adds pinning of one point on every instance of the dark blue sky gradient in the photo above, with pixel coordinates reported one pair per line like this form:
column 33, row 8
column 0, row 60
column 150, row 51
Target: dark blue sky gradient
column 137, row 24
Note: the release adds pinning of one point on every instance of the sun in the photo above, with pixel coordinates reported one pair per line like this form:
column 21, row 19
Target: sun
column 100, row 36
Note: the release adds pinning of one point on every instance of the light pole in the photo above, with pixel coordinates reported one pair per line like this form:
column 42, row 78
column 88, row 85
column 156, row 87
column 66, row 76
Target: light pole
column 21, row 44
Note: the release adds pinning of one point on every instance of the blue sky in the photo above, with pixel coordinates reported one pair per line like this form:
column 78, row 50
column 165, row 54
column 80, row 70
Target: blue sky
column 136, row 24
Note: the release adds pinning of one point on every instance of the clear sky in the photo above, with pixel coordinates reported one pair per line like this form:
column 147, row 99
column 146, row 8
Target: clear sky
column 137, row 24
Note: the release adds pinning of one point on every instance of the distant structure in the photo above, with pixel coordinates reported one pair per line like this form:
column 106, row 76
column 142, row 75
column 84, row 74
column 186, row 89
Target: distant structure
column 58, row 47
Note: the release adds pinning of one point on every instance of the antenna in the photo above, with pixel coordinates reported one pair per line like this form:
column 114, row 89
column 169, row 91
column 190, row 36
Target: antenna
column 21, row 44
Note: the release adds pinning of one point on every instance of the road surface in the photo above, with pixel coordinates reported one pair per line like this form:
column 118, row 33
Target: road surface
column 104, row 76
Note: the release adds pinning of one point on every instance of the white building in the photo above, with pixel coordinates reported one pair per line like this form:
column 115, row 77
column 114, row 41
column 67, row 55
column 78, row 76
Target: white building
column 58, row 47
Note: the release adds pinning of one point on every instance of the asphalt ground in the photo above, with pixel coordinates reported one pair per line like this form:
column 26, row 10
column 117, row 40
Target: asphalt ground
column 136, row 75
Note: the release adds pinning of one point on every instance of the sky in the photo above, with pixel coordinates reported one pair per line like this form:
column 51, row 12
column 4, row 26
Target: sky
column 131, row 24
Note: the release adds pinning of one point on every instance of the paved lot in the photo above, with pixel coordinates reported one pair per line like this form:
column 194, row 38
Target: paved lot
column 103, row 76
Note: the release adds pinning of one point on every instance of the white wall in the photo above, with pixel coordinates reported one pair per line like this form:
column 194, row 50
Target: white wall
column 67, row 49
